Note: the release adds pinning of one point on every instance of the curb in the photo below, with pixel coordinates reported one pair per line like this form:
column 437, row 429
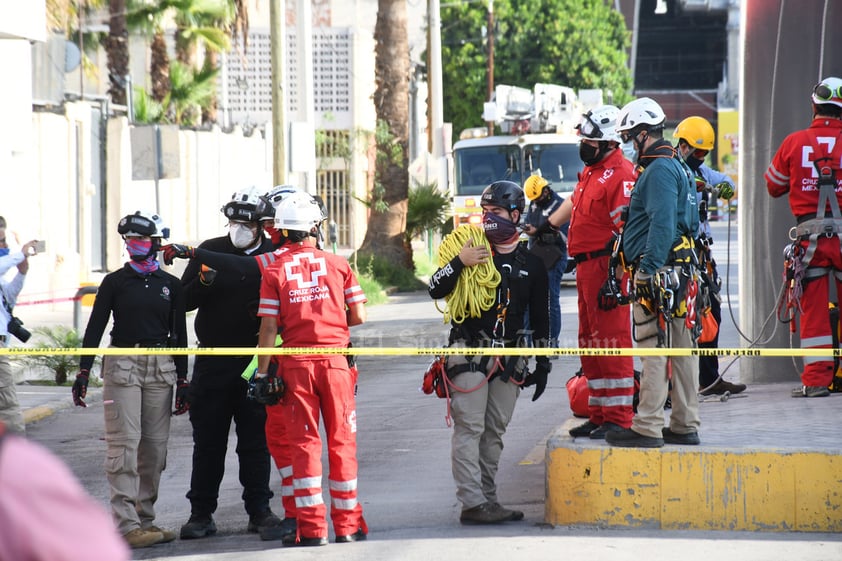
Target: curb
column 41, row 412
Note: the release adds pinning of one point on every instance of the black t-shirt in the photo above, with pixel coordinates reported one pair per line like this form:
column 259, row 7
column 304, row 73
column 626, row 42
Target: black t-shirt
column 146, row 308
column 227, row 309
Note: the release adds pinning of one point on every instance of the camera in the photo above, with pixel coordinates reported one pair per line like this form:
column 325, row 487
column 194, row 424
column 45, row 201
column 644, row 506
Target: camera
column 17, row 329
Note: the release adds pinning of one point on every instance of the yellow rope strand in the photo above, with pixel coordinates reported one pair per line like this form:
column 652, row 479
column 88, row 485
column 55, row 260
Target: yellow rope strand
column 476, row 289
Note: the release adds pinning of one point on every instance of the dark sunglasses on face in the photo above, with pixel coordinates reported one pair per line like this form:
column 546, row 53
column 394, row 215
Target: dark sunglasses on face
column 700, row 153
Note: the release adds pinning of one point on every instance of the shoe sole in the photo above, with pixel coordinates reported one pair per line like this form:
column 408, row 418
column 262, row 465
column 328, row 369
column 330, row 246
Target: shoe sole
column 197, row 535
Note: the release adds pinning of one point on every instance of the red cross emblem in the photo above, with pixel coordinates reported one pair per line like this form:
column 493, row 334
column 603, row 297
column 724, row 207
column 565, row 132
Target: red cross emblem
column 305, row 269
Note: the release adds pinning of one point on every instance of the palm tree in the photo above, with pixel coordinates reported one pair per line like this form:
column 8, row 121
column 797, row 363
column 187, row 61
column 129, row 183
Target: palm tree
column 117, row 51
column 387, row 221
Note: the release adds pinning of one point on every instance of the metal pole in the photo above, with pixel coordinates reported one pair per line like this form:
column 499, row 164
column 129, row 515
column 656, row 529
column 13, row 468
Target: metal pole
column 490, row 71
column 436, row 94
column 277, row 33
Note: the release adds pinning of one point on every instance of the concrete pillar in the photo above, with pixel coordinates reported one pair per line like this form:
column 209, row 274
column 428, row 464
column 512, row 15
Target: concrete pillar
column 787, row 47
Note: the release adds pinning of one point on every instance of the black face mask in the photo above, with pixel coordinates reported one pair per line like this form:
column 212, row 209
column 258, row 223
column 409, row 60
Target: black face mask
column 692, row 162
column 589, row 154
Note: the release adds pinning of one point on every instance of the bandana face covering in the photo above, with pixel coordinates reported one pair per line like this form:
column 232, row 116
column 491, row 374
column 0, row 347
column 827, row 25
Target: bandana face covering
column 142, row 255
column 275, row 235
column 498, row 230
column 240, row 235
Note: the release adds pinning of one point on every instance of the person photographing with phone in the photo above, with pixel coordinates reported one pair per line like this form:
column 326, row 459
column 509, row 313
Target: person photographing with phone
column 10, row 412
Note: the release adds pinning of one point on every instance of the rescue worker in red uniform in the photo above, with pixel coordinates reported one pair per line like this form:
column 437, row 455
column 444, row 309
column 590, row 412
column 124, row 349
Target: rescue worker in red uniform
column 312, row 297
column 807, row 166
column 595, row 211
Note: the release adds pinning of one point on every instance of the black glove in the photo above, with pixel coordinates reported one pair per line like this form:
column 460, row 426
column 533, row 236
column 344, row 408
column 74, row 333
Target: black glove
column 268, row 388
column 538, row 378
column 182, row 403
column 173, row 250
column 607, row 298
column 644, row 286
column 80, row 388
column 207, row 275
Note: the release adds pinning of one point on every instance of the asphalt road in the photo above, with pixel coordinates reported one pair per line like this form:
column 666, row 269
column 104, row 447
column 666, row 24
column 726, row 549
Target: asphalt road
column 405, row 484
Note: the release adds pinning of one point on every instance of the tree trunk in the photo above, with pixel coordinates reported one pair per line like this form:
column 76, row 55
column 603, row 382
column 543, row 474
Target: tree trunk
column 210, row 111
column 384, row 236
column 159, row 67
column 117, row 50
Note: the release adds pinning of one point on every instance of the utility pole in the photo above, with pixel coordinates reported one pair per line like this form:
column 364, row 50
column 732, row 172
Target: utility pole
column 436, row 93
column 490, row 71
column 277, row 21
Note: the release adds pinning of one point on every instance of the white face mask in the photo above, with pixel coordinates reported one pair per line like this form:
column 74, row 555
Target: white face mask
column 241, row 235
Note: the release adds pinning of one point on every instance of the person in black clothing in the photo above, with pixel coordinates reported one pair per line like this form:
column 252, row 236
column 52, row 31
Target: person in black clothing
column 481, row 414
column 227, row 305
column 148, row 308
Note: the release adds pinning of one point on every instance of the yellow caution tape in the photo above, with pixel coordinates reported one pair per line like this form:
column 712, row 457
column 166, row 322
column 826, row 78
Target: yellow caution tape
column 409, row 351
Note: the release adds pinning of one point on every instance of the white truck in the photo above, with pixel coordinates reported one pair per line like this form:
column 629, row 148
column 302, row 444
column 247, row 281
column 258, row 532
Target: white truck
column 540, row 138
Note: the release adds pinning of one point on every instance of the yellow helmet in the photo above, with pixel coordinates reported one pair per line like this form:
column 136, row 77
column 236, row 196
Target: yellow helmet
column 534, row 186
column 697, row 132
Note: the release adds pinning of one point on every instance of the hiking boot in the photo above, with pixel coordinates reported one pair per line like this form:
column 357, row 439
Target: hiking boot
column 168, row 535
column 514, row 515
column 630, row 439
column 139, row 537
column 289, row 527
column 689, row 438
column 198, row 526
column 599, row 432
column 486, row 513
column 357, row 536
column 267, row 524
column 584, row 429
column 721, row 386
column 811, row 391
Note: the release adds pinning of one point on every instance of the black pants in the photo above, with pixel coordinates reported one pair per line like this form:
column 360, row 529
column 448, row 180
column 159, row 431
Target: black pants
column 709, row 365
column 218, row 395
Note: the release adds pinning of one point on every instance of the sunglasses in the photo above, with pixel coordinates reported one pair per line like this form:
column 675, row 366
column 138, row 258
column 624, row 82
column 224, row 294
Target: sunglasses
column 825, row 93
column 700, row 153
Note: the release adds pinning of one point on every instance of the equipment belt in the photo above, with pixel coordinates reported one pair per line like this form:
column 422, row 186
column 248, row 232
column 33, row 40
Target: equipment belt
column 139, row 344
column 818, row 226
column 581, row 257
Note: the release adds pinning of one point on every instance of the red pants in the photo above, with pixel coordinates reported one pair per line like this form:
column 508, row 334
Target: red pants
column 322, row 386
column 610, row 378
column 277, row 440
column 815, row 318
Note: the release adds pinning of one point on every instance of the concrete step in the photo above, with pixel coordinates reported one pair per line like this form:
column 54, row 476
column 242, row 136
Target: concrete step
column 768, row 463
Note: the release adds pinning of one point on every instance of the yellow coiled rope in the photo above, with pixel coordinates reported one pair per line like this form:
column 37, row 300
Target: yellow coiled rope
column 476, row 289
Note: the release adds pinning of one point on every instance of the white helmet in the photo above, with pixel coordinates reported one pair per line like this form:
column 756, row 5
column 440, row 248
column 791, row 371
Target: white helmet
column 298, row 212
column 641, row 111
column 142, row 223
column 600, row 124
column 243, row 206
column 273, row 197
column 828, row 90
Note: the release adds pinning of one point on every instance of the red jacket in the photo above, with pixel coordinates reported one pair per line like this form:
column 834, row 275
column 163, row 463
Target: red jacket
column 792, row 170
column 598, row 200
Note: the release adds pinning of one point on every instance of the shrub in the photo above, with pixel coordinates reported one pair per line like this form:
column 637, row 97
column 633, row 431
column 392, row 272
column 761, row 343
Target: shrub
column 52, row 338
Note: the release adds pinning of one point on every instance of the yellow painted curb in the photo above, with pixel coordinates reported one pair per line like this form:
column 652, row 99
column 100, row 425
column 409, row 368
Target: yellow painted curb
column 689, row 487
column 36, row 414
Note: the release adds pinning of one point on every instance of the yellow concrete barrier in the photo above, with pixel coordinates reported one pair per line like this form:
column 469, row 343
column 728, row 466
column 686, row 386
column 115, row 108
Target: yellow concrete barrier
column 696, row 488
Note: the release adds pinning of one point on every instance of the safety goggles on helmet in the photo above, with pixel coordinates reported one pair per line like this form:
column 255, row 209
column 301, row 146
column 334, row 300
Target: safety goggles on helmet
column 828, row 90
column 588, row 128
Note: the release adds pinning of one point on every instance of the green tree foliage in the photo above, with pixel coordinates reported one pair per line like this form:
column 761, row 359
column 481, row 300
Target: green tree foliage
column 576, row 43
